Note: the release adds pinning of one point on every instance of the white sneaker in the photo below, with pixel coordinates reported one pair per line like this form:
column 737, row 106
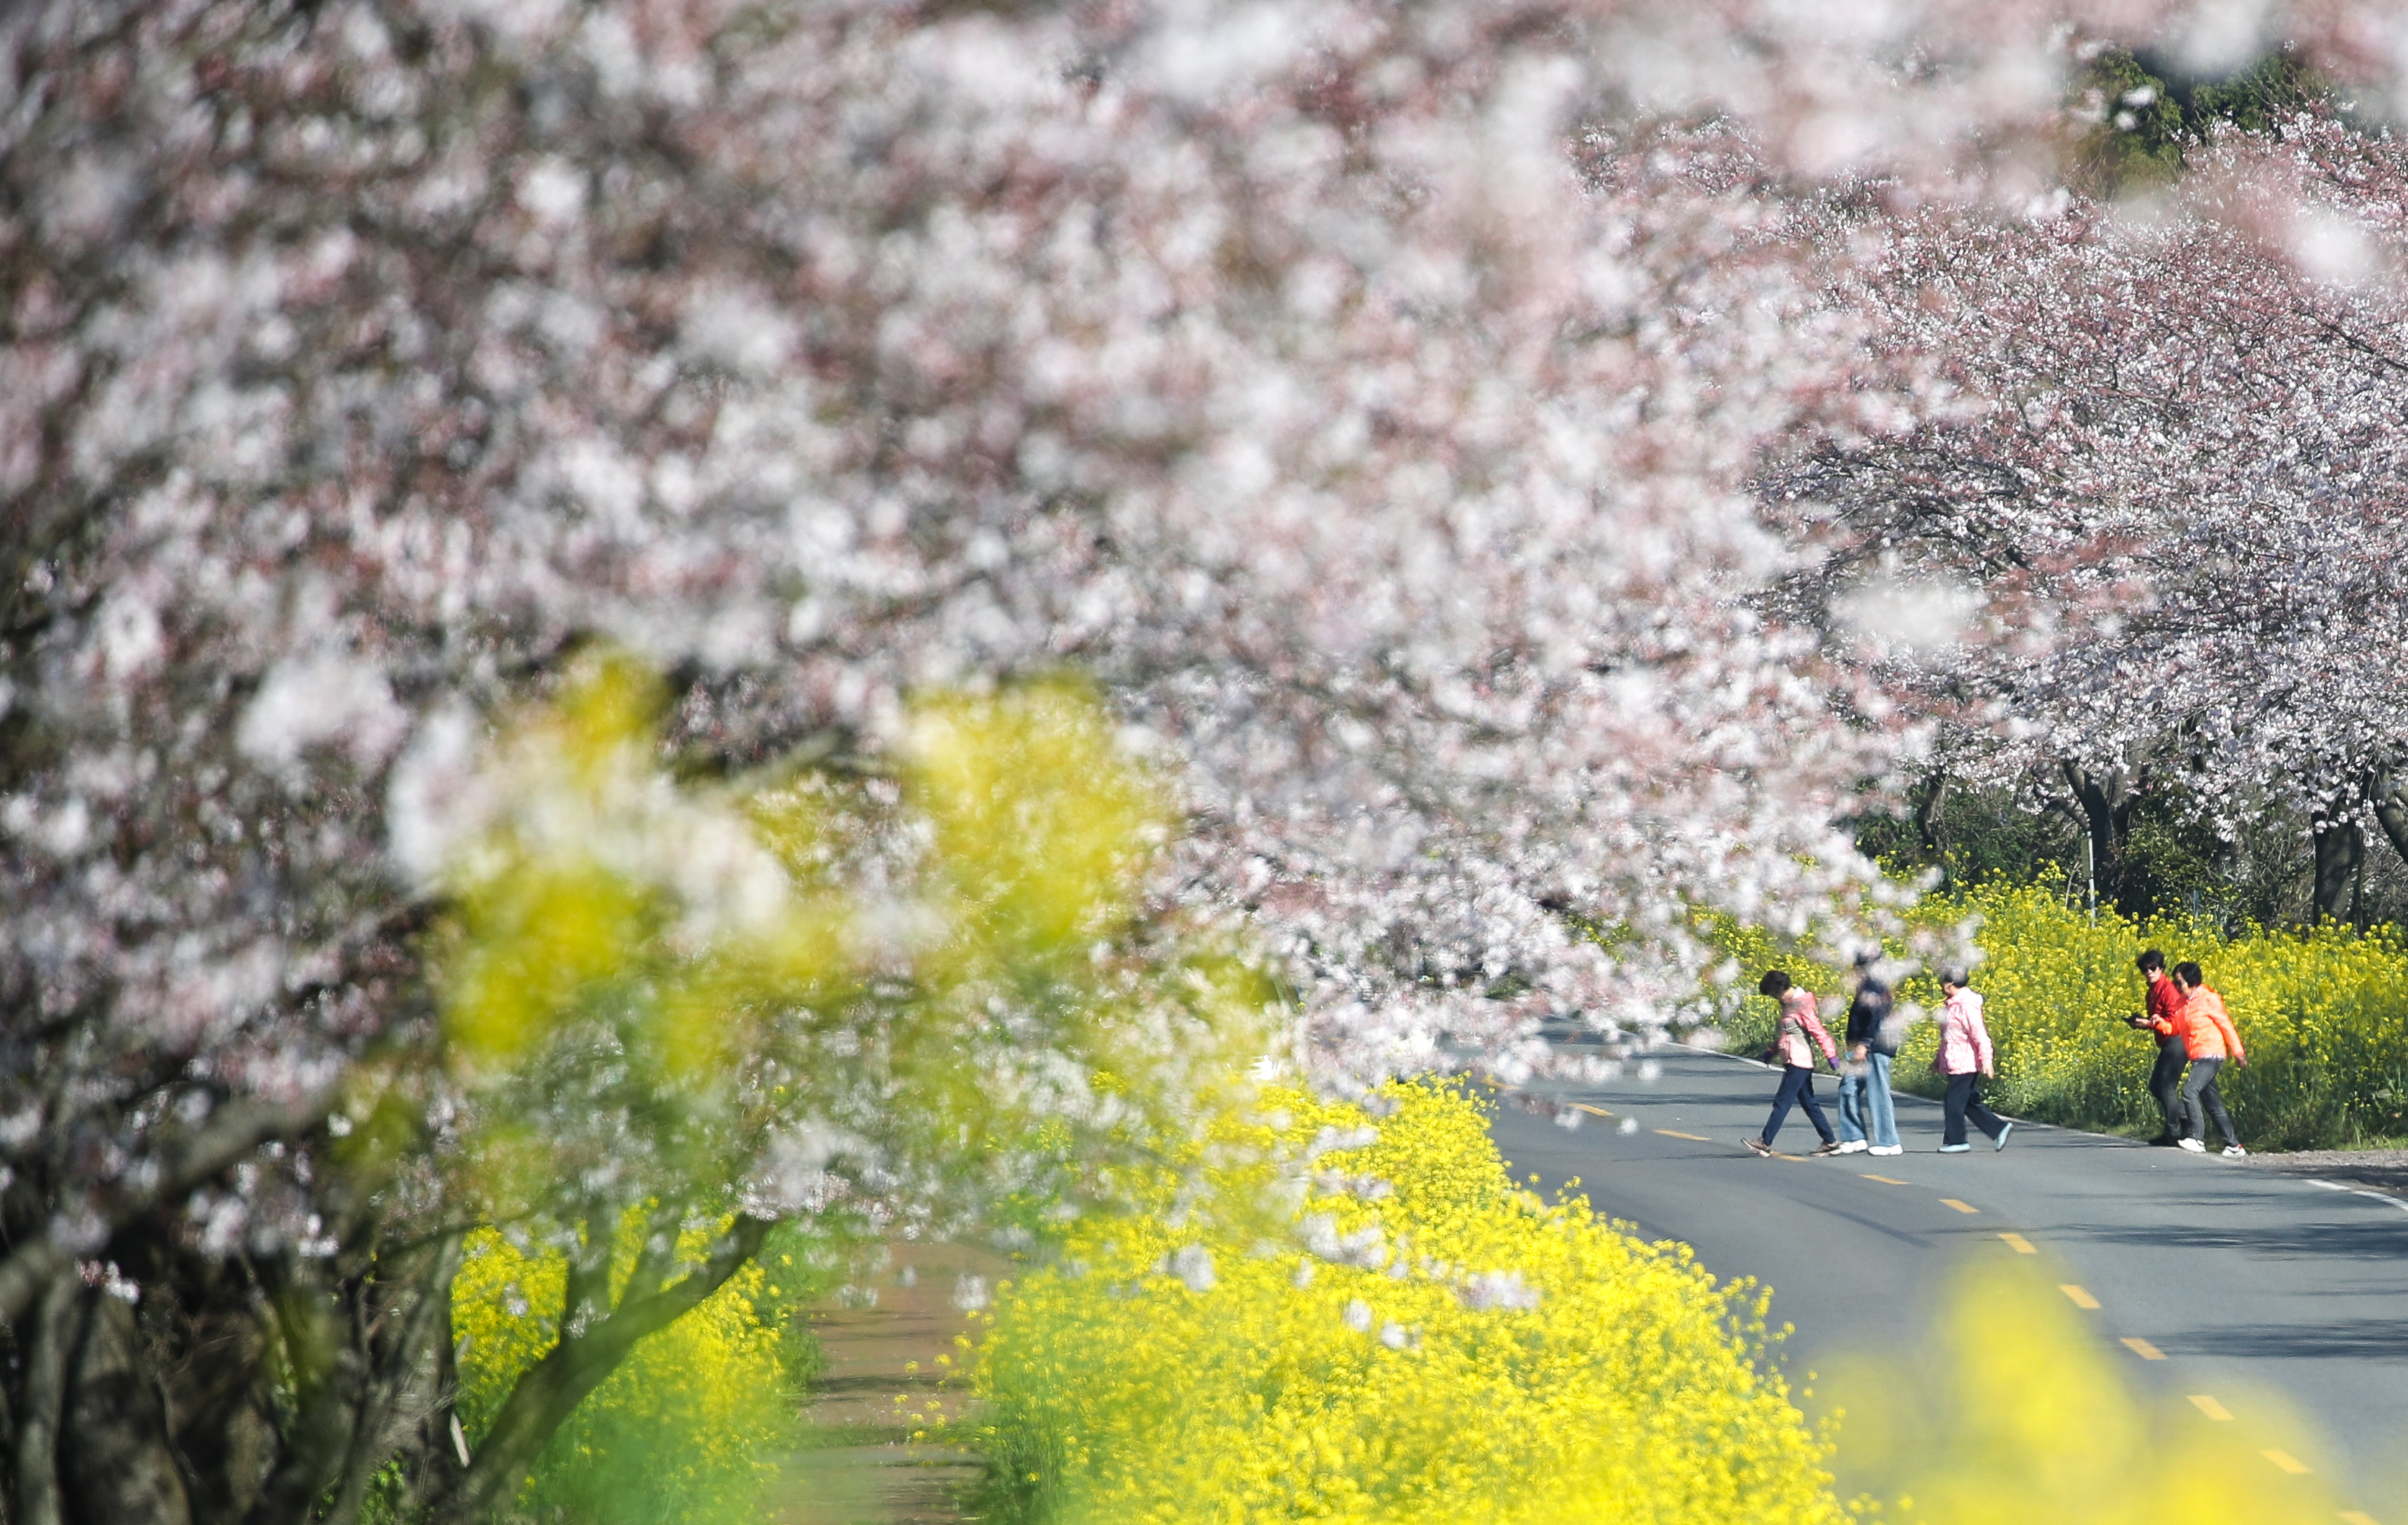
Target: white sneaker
column 1887, row 1150
column 1853, row 1145
column 2194, row 1146
column 1955, row 1149
column 2234, row 1151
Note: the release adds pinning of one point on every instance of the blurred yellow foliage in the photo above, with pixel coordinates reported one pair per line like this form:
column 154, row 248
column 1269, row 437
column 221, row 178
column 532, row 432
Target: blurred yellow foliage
column 1486, row 1356
column 1041, row 822
column 669, row 998
column 2015, row 1415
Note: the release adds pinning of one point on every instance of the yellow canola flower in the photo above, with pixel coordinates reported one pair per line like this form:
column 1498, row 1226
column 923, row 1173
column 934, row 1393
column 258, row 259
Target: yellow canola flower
column 682, row 1429
column 1458, row 1351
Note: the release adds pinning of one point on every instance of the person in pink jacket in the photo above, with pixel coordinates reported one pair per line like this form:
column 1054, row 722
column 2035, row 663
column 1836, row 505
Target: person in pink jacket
column 1800, row 1025
column 1966, row 1058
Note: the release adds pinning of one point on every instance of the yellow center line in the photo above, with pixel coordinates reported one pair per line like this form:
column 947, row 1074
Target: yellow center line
column 2286, row 1461
column 1886, row 1180
column 2209, row 1406
column 1694, row 1138
column 2081, row 1298
column 2020, row 1245
column 1960, row 1206
column 1592, row 1111
column 2146, row 1351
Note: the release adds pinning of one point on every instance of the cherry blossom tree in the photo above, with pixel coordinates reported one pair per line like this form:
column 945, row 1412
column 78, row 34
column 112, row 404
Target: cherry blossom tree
column 1363, row 399
column 2163, row 500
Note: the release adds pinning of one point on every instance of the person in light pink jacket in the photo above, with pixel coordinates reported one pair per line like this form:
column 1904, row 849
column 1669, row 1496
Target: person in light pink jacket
column 1966, row 1058
column 1801, row 1025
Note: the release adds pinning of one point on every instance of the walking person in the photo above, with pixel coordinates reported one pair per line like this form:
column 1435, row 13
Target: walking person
column 1868, row 1118
column 2207, row 1036
column 1801, row 1032
column 2161, row 1019
column 1966, row 1058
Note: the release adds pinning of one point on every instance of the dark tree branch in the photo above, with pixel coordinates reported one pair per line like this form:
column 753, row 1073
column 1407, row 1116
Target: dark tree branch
column 183, row 1164
column 408, row 1367
column 330, row 1373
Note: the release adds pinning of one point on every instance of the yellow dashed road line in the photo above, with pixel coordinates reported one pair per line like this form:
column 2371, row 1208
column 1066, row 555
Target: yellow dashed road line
column 2020, row 1245
column 1694, row 1138
column 2286, row 1461
column 2143, row 1349
column 1887, row 1180
column 1592, row 1111
column 1960, row 1206
column 2209, row 1406
column 2081, row 1298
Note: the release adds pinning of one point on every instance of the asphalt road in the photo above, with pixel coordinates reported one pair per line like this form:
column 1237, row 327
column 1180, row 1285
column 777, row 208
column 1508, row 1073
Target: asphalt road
column 2210, row 1278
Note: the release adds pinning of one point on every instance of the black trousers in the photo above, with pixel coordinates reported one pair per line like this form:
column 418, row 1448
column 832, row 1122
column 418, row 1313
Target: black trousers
column 1964, row 1101
column 1797, row 1085
column 2165, row 1084
column 2198, row 1091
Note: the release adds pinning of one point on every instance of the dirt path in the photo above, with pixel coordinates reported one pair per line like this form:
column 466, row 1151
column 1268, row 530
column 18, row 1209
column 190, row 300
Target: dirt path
column 860, row 1470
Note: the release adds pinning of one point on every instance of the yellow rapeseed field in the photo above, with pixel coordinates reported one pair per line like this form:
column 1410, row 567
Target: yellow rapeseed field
column 1451, row 1348
column 2324, row 1014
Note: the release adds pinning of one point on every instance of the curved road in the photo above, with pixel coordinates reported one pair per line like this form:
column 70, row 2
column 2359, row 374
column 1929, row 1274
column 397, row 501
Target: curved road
column 2211, row 1278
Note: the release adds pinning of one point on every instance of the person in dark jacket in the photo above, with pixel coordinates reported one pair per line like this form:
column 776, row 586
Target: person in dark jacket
column 1867, row 1120
column 2166, row 1075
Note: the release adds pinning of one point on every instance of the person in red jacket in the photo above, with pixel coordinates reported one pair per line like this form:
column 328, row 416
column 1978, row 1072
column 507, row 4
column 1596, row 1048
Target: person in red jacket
column 2166, row 1073
column 2208, row 1037
column 1800, row 1022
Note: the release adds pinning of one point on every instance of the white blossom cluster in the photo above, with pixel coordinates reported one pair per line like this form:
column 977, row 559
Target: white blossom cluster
column 2162, row 490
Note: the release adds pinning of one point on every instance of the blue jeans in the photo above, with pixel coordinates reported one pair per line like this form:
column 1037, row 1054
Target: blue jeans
column 1864, row 1109
column 1797, row 1086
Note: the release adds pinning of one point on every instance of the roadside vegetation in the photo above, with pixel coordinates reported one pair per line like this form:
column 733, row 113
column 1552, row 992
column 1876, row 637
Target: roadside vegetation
column 1444, row 1346
column 2323, row 1010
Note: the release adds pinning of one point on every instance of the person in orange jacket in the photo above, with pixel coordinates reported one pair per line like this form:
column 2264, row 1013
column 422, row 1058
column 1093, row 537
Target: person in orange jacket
column 2208, row 1037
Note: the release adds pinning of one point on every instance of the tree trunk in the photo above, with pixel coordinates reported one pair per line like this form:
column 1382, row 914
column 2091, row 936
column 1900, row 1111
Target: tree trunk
column 2339, row 849
column 417, row 1311
column 2389, row 793
column 44, row 1388
column 2106, row 800
column 222, row 1404
column 329, row 1372
column 115, row 1460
